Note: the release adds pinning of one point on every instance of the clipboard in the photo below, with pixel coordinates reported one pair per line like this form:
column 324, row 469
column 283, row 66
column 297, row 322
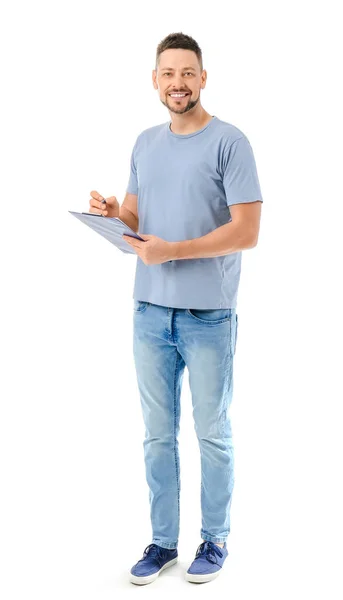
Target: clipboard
column 111, row 228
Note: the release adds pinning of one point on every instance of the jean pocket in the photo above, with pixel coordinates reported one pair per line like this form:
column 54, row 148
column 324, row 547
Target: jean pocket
column 210, row 316
column 139, row 306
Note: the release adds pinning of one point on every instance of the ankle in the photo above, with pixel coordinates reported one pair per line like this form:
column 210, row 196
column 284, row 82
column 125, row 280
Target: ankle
column 220, row 544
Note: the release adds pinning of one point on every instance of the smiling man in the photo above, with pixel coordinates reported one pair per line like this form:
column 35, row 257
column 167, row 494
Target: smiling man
column 194, row 196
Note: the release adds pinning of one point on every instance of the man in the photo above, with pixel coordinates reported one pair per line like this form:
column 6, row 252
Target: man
column 199, row 206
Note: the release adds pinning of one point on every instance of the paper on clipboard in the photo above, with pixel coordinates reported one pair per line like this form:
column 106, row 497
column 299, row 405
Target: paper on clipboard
column 111, row 228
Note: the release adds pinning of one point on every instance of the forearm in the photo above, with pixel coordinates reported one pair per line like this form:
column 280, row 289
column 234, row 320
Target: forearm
column 227, row 239
column 129, row 218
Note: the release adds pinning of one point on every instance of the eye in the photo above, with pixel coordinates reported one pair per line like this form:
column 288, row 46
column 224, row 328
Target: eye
column 187, row 73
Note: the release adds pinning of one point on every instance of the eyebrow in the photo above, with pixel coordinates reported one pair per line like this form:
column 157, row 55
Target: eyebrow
column 171, row 68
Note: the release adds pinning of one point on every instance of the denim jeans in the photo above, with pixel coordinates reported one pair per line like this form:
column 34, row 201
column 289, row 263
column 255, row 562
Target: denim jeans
column 165, row 340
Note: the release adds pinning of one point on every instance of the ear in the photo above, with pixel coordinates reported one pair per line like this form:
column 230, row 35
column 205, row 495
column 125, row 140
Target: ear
column 203, row 79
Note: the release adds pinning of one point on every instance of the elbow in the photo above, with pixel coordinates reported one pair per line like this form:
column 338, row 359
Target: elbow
column 253, row 238
column 252, row 241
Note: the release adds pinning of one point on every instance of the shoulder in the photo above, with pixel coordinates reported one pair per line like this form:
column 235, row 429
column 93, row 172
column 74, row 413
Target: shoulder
column 151, row 132
column 228, row 133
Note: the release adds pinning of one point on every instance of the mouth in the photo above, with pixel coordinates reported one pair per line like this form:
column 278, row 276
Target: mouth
column 179, row 96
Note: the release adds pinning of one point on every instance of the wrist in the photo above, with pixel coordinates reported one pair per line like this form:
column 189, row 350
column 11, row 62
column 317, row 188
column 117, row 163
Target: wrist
column 173, row 250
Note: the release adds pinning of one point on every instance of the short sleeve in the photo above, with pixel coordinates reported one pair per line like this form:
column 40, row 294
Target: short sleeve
column 240, row 179
column 132, row 186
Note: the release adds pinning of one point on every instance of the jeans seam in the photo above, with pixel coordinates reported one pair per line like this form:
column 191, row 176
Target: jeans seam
column 228, row 375
column 175, row 457
column 236, row 331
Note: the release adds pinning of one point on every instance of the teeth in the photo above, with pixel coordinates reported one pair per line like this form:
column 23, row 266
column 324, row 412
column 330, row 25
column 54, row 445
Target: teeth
column 177, row 95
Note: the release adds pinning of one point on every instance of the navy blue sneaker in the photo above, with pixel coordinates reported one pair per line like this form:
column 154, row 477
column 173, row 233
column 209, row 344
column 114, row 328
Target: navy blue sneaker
column 208, row 562
column 155, row 559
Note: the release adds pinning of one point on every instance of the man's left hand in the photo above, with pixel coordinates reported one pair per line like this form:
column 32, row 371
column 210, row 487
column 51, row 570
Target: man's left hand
column 153, row 251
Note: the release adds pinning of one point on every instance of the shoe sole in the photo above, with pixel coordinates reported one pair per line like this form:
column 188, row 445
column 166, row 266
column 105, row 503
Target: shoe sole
column 150, row 578
column 197, row 578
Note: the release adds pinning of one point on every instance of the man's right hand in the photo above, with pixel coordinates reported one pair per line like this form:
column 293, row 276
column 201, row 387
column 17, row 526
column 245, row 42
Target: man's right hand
column 110, row 209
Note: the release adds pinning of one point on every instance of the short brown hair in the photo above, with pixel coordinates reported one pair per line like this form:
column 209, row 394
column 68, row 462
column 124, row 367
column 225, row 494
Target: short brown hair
column 179, row 40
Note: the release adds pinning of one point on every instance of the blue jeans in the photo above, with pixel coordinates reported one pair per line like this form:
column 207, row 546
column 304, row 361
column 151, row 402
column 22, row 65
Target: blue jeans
column 164, row 341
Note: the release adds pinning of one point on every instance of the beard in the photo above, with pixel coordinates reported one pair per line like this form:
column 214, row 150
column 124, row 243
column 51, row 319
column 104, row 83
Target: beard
column 179, row 110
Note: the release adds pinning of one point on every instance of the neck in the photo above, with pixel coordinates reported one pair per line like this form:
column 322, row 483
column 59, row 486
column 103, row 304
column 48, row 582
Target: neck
column 189, row 121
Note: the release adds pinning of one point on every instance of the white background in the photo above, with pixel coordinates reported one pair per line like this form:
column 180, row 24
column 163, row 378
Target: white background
column 76, row 92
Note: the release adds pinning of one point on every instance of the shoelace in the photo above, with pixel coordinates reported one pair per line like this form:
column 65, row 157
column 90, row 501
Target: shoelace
column 155, row 552
column 209, row 551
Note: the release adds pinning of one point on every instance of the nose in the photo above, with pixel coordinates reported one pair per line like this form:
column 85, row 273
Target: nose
column 178, row 83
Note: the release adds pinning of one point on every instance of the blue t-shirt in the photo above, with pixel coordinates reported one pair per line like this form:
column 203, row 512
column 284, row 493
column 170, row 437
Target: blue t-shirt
column 185, row 186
